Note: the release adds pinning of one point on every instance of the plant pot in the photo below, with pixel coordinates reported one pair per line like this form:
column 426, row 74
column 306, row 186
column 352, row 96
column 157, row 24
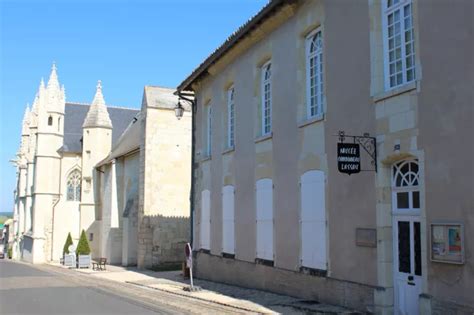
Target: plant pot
column 84, row 261
column 70, row 260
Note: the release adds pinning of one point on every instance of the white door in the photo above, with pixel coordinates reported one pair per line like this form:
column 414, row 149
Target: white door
column 265, row 219
column 406, row 237
column 313, row 220
column 228, row 219
column 407, row 265
column 205, row 219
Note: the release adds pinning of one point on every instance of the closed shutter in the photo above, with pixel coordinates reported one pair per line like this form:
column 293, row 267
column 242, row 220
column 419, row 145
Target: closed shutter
column 313, row 220
column 228, row 219
column 265, row 219
column 206, row 219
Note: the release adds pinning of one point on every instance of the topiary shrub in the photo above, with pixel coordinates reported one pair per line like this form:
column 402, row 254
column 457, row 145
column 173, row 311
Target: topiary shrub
column 67, row 244
column 83, row 246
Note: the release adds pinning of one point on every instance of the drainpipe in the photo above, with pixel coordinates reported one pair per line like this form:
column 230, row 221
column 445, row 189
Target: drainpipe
column 54, row 208
column 185, row 96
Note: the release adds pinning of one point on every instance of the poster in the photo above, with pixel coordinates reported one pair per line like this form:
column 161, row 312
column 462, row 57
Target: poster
column 454, row 240
column 447, row 243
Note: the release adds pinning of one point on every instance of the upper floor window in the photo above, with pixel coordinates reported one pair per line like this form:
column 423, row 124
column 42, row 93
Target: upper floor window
column 74, row 186
column 266, row 90
column 50, row 121
column 398, row 42
column 230, row 117
column 314, row 74
column 209, row 130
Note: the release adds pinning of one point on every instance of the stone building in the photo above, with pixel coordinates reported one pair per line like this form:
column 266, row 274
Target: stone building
column 79, row 169
column 272, row 211
column 147, row 175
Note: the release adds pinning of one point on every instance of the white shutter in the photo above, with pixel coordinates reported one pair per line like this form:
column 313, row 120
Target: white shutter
column 265, row 219
column 206, row 219
column 313, row 220
column 228, row 219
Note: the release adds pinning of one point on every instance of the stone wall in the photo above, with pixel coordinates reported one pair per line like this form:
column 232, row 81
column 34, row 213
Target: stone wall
column 162, row 240
column 322, row 289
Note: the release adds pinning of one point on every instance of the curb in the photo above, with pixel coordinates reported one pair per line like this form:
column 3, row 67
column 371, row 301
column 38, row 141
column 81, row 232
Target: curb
column 198, row 298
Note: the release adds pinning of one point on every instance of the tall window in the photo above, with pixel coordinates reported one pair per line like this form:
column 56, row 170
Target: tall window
column 230, row 118
column 74, row 186
column 50, row 121
column 266, row 99
column 314, row 74
column 209, row 130
column 399, row 42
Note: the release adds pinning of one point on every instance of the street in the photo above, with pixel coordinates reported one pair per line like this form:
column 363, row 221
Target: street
column 28, row 289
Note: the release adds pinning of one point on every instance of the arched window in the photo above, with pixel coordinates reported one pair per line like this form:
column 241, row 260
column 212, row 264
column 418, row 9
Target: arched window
column 74, row 186
column 50, row 121
column 314, row 74
column 266, row 98
column 405, row 182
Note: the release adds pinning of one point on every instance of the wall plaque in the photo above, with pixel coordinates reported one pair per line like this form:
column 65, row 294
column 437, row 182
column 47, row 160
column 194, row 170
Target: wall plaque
column 447, row 243
column 366, row 237
column 348, row 158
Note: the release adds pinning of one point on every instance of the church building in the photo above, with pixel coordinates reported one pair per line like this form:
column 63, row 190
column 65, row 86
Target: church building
column 81, row 167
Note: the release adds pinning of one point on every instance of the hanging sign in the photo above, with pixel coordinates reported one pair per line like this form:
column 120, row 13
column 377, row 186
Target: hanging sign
column 348, row 158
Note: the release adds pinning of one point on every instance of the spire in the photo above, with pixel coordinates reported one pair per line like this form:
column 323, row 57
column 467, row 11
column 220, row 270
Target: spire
column 53, row 82
column 98, row 116
column 26, row 120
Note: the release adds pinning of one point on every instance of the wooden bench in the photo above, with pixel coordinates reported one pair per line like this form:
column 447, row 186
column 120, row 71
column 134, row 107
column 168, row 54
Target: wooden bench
column 99, row 265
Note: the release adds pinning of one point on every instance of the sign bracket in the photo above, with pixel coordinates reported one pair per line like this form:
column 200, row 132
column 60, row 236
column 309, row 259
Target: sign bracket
column 368, row 143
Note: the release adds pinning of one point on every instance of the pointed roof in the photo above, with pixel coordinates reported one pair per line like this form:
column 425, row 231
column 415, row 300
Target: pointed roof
column 97, row 116
column 26, row 120
column 53, row 82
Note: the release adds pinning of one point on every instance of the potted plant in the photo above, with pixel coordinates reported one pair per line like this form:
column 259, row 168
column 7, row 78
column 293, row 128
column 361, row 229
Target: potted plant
column 69, row 258
column 83, row 252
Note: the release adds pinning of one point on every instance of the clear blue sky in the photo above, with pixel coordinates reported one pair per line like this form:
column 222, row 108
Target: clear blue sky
column 126, row 44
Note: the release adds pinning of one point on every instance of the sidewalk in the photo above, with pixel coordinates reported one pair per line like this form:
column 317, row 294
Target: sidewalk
column 243, row 299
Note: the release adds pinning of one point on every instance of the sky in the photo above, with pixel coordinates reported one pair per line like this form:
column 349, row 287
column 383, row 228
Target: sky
column 126, row 44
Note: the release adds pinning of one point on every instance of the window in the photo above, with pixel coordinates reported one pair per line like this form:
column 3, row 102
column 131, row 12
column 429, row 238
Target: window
column 266, row 91
column 314, row 74
column 209, row 130
column 405, row 182
column 313, row 220
column 74, row 186
column 50, row 121
column 264, row 199
column 230, row 118
column 398, row 42
column 205, row 234
column 228, row 230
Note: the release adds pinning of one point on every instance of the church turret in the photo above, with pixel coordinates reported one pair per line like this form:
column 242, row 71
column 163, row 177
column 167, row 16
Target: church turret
column 96, row 145
column 49, row 107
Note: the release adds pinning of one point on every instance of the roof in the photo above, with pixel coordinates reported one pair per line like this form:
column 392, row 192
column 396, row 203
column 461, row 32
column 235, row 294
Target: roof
column 161, row 97
column 74, row 116
column 129, row 141
column 271, row 7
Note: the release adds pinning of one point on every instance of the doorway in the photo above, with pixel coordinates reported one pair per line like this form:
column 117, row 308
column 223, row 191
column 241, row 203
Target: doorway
column 406, row 237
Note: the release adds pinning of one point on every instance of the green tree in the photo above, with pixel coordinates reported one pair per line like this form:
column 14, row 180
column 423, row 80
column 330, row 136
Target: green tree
column 83, row 246
column 67, row 244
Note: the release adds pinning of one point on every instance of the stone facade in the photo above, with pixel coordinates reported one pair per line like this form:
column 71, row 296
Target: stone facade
column 410, row 128
column 163, row 211
column 80, row 168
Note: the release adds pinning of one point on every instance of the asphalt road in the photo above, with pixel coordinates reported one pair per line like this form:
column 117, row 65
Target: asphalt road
column 25, row 289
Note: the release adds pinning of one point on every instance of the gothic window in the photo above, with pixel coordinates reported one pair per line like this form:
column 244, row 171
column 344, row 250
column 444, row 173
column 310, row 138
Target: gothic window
column 50, row 121
column 74, row 186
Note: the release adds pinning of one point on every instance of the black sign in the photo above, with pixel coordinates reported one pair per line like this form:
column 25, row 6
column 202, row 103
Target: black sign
column 348, row 158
